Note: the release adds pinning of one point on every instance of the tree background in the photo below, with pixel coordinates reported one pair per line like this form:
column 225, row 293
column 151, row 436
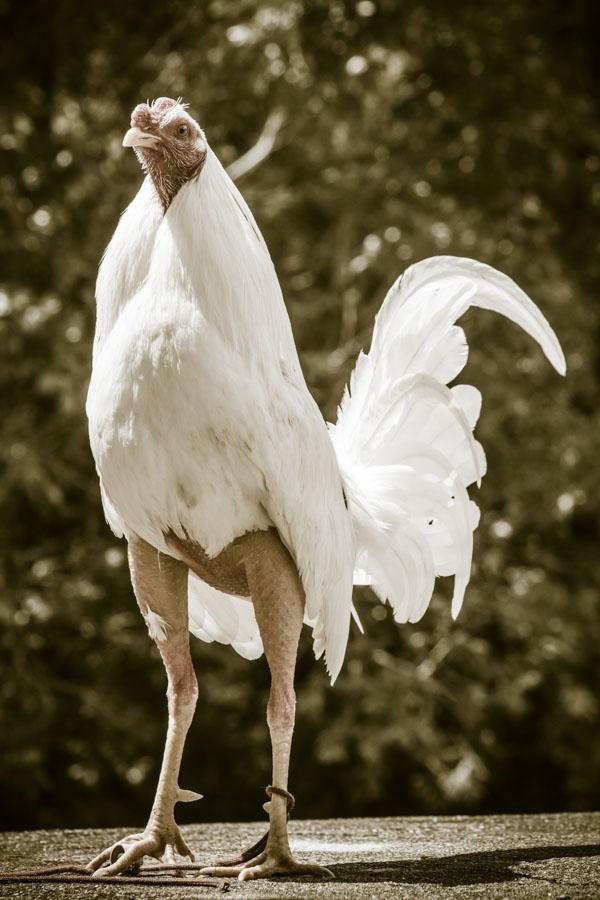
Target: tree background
column 409, row 129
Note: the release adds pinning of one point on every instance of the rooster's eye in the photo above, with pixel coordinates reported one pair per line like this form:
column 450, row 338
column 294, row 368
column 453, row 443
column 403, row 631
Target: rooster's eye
column 182, row 130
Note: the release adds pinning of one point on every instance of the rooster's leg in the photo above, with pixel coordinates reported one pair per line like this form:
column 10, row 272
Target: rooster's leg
column 278, row 600
column 160, row 585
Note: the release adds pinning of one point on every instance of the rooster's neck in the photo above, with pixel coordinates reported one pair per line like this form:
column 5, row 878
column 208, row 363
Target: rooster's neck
column 166, row 175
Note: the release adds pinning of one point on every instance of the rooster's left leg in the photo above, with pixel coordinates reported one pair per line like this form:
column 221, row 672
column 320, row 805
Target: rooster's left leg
column 278, row 599
column 160, row 586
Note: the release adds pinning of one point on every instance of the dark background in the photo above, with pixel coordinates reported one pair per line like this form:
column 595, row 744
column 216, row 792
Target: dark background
column 409, row 129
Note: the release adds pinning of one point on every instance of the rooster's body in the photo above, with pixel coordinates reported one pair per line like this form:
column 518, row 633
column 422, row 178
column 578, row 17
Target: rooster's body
column 214, row 458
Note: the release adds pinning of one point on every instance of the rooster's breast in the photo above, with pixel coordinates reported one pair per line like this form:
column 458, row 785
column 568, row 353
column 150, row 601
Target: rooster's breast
column 175, row 420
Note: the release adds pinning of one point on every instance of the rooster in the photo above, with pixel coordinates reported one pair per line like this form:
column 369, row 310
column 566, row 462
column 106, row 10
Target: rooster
column 246, row 516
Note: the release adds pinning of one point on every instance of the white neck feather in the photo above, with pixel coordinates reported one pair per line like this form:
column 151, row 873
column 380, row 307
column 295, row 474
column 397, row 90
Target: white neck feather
column 224, row 258
column 126, row 260
column 207, row 247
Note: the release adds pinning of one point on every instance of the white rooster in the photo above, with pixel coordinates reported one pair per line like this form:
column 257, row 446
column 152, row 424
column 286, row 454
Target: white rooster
column 245, row 515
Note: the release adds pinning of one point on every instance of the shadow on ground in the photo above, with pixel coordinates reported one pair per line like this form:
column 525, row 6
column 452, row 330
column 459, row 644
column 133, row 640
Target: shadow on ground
column 487, row 867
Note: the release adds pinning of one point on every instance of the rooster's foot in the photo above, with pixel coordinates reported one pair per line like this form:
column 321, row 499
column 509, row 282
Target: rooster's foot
column 265, row 865
column 270, row 855
column 250, row 854
column 161, row 842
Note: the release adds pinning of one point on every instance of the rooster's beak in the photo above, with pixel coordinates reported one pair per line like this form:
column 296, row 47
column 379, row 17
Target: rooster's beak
column 135, row 137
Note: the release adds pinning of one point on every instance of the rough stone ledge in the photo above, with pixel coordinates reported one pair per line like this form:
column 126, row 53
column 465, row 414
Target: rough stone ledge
column 556, row 856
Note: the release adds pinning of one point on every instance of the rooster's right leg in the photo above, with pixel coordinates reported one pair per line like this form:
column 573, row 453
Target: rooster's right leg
column 278, row 599
column 160, row 586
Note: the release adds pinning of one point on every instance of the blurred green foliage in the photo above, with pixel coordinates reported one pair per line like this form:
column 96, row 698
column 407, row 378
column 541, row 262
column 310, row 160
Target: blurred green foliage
column 410, row 129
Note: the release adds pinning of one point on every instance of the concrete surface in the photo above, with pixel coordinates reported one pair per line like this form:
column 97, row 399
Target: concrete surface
column 555, row 856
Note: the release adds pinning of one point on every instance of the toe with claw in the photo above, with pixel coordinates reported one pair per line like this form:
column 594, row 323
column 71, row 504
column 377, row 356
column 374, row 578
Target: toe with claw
column 267, row 865
column 160, row 842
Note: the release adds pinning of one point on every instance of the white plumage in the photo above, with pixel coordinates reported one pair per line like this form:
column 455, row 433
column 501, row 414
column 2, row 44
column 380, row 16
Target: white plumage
column 201, row 422
column 404, row 441
column 200, row 419
column 215, row 616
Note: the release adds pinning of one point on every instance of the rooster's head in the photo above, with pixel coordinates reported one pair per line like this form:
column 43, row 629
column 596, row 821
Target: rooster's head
column 169, row 144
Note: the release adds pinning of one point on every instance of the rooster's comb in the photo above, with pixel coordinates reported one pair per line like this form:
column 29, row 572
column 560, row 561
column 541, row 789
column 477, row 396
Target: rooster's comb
column 162, row 104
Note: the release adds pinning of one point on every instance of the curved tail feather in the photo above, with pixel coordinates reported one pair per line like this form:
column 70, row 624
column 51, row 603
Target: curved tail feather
column 404, row 441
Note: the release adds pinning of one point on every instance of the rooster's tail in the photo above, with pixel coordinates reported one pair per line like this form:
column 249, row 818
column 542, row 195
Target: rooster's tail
column 404, row 440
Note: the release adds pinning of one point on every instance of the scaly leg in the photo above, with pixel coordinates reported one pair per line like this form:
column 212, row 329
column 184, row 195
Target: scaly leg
column 160, row 586
column 278, row 600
